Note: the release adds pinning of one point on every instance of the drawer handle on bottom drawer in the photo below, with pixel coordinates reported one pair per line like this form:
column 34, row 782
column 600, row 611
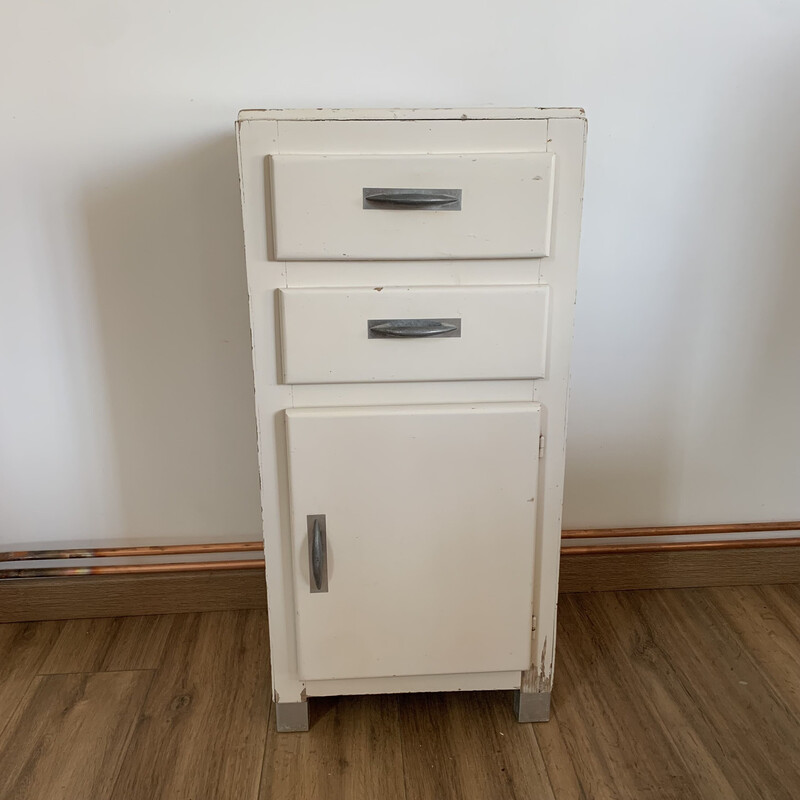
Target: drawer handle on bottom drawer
column 413, row 328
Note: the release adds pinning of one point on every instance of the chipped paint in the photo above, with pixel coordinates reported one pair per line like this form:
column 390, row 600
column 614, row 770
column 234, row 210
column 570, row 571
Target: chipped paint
column 538, row 679
column 544, row 681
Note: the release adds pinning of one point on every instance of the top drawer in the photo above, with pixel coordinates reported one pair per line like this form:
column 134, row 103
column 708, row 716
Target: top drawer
column 475, row 205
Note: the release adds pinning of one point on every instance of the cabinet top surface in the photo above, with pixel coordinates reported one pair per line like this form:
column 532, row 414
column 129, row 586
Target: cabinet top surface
column 309, row 114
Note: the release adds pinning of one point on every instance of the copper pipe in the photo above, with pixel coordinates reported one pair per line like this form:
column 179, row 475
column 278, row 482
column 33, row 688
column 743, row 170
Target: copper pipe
column 127, row 552
column 130, row 569
column 666, row 547
column 680, row 530
column 243, row 547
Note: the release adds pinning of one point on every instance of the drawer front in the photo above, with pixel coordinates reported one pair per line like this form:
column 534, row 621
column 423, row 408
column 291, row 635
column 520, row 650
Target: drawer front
column 430, row 333
column 478, row 205
column 413, row 538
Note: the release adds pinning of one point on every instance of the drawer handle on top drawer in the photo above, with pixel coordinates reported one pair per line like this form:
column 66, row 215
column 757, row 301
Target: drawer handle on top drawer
column 430, row 199
column 413, row 328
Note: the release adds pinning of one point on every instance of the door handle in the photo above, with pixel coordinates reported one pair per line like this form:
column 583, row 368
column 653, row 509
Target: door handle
column 413, row 328
column 317, row 552
column 430, row 199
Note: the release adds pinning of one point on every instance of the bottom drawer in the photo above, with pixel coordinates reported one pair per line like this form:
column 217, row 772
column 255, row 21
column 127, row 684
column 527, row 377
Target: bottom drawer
column 413, row 534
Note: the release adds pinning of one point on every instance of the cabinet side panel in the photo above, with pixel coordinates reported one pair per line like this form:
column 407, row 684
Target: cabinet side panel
column 264, row 277
column 566, row 138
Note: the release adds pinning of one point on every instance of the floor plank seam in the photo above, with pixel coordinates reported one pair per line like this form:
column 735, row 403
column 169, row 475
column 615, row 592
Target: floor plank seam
column 402, row 751
column 94, row 672
column 131, row 730
column 549, row 768
column 266, row 748
column 16, row 705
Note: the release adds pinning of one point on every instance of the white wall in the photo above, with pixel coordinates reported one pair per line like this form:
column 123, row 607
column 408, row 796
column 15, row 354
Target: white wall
column 126, row 390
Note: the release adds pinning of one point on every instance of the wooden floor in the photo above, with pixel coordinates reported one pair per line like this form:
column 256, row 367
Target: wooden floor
column 690, row 694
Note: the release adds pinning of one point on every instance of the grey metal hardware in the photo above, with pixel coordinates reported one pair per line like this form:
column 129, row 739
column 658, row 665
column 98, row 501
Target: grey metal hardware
column 532, row 706
column 291, row 717
column 425, row 199
column 317, row 552
column 414, row 328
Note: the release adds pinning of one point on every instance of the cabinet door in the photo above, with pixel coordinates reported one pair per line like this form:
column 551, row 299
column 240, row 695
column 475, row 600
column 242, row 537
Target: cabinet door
column 424, row 543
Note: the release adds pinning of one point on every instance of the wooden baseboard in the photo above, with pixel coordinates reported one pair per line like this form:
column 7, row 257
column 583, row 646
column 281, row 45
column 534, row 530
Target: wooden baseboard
column 28, row 599
column 679, row 569
column 25, row 599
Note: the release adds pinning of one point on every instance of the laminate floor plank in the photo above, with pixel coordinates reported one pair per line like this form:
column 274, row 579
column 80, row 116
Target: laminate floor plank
column 783, row 603
column 351, row 751
column 518, row 748
column 23, row 648
column 68, row 735
column 468, row 746
column 767, row 620
column 719, row 691
column 661, row 686
column 109, row 643
column 202, row 729
column 616, row 741
column 790, row 591
column 564, row 781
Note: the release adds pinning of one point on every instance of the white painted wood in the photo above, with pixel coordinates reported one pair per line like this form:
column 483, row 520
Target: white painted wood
column 568, row 139
column 263, row 279
column 414, row 137
column 324, row 334
column 410, row 392
column 335, row 133
column 472, row 272
column 318, row 206
column 460, row 682
column 321, row 114
column 430, row 512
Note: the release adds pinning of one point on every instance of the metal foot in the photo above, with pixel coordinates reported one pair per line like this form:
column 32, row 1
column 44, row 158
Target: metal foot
column 532, row 706
column 291, row 716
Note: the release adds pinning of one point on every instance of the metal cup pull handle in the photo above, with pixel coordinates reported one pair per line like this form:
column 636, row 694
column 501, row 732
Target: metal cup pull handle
column 413, row 328
column 317, row 552
column 425, row 199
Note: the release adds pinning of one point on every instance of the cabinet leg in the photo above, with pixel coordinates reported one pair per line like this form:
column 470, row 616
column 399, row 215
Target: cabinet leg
column 532, row 706
column 291, row 716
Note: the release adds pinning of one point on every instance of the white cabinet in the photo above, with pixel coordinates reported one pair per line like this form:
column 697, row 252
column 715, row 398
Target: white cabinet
column 412, row 285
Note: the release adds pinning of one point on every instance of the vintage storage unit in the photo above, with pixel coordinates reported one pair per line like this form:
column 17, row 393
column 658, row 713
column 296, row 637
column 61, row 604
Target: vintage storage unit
column 412, row 285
